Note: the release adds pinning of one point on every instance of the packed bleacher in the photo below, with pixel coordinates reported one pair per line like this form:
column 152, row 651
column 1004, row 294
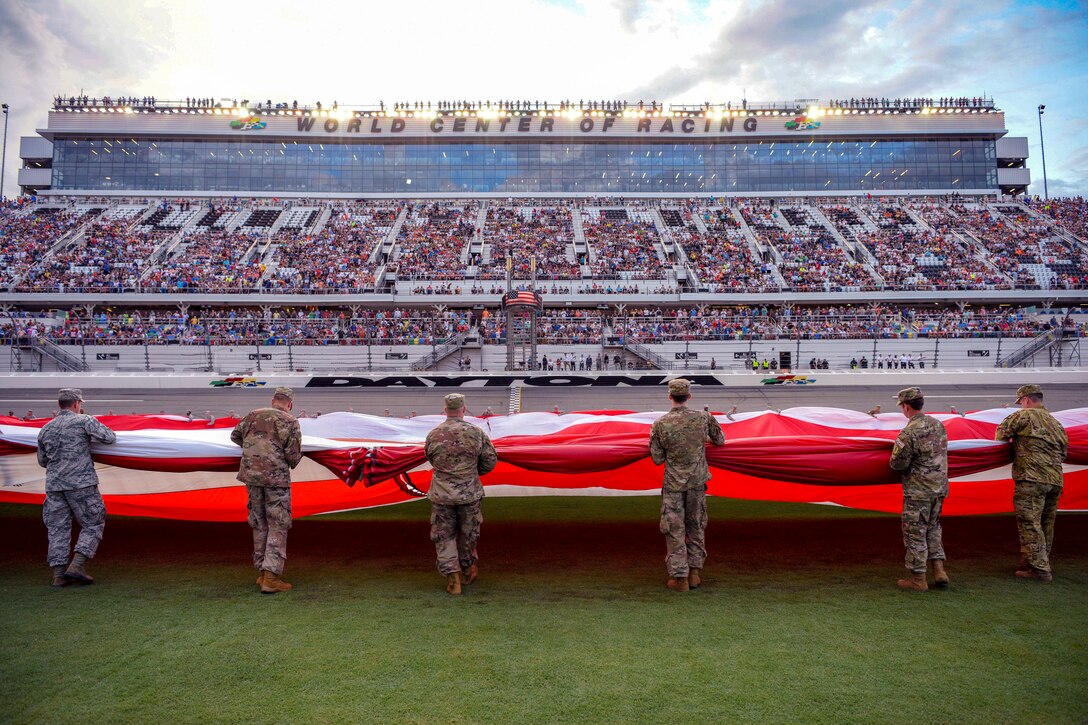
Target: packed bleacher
column 1072, row 214
column 112, row 257
column 242, row 325
column 721, row 258
column 26, row 237
column 524, row 232
column 210, row 261
column 61, row 246
column 432, row 242
column 623, row 243
column 336, row 259
column 578, row 326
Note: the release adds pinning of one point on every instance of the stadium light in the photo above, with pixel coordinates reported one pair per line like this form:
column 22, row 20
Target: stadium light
column 4, row 157
column 1042, row 148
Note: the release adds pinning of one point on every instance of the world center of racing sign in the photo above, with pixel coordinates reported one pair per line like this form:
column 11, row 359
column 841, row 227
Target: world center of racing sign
column 376, row 127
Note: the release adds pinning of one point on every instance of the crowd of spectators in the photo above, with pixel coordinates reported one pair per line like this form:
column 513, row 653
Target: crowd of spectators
column 335, row 259
column 567, row 326
column 721, row 259
column 978, row 322
column 112, row 257
column 815, row 262
column 545, row 233
column 917, row 102
column 242, row 325
column 1010, row 248
column 622, row 247
column 583, row 326
column 432, row 241
column 831, row 322
column 210, row 261
column 920, row 244
column 26, row 237
column 1071, row 213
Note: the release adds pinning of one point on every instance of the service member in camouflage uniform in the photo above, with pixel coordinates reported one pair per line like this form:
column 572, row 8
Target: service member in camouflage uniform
column 459, row 453
column 71, row 487
column 1040, row 444
column 678, row 439
column 921, row 453
column 271, row 442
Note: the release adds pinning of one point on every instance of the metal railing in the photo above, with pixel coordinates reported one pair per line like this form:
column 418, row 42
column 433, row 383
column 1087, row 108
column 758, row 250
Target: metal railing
column 1027, row 352
column 439, row 353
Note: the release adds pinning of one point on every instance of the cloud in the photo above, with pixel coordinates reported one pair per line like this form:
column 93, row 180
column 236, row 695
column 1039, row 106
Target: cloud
column 568, row 49
column 629, row 11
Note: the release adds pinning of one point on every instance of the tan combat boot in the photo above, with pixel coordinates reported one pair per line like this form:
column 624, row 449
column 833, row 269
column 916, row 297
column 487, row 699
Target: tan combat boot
column 695, row 578
column 940, row 577
column 75, row 571
column 58, row 576
column 260, row 579
column 1036, row 574
column 470, row 575
column 271, row 584
column 453, row 583
column 678, row 584
column 917, row 583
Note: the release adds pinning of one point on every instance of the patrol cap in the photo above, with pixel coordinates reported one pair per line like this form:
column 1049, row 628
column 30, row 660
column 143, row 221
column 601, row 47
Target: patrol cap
column 1030, row 389
column 907, row 394
column 70, row 395
column 454, row 401
column 679, row 386
column 286, row 393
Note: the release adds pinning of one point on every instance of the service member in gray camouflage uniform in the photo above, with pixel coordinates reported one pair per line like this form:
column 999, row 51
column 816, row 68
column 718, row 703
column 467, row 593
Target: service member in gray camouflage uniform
column 921, row 453
column 678, row 439
column 1040, row 444
column 271, row 442
column 459, row 453
column 71, row 487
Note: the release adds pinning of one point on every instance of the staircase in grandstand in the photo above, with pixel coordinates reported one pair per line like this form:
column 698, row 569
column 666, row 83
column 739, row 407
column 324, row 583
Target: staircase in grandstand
column 439, row 353
column 1062, row 345
column 42, row 349
column 646, row 354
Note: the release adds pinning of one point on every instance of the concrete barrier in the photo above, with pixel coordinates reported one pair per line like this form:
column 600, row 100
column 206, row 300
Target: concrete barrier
column 349, row 379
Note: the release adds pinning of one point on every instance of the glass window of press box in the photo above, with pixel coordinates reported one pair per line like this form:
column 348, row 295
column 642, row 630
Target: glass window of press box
column 555, row 166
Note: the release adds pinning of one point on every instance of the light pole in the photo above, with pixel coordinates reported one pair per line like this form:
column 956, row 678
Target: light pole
column 1042, row 149
column 4, row 157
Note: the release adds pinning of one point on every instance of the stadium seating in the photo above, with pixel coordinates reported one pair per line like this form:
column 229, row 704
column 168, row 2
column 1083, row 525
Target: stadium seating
column 597, row 247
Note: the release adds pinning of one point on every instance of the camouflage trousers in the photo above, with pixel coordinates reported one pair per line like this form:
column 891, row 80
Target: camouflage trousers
column 270, row 518
column 1036, row 506
column 85, row 504
column 455, row 531
column 683, row 522
column 922, row 532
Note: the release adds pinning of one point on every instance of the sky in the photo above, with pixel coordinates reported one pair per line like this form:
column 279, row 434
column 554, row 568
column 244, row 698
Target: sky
column 359, row 52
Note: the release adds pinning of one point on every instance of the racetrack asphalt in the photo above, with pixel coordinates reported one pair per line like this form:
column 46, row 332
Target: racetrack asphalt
column 403, row 401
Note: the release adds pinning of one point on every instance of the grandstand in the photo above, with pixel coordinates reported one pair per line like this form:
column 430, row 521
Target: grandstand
column 174, row 236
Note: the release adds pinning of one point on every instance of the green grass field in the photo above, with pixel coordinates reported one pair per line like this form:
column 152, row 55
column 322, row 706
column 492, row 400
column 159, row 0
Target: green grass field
column 799, row 621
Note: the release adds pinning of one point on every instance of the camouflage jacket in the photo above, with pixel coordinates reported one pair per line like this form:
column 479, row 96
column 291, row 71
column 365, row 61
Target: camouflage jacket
column 678, row 439
column 921, row 453
column 271, row 442
column 1039, row 443
column 459, row 453
column 64, row 450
